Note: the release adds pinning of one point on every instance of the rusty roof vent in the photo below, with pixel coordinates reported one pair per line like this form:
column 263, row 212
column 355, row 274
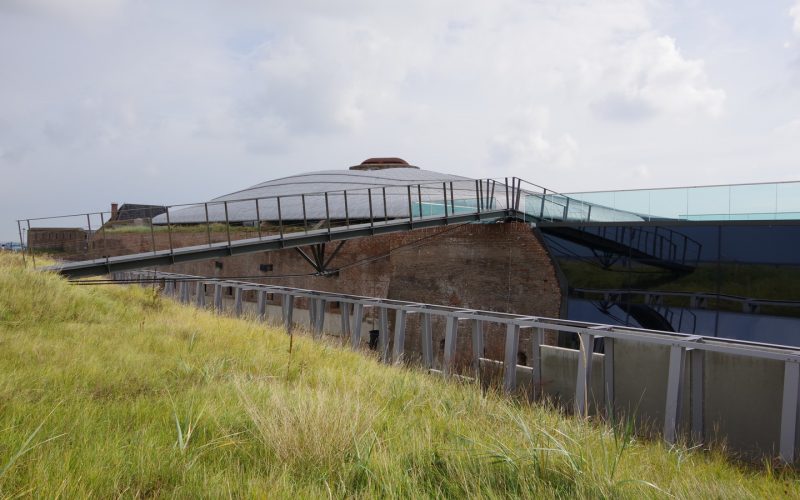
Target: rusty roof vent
column 382, row 163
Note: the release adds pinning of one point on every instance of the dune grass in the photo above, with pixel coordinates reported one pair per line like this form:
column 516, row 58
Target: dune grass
column 112, row 391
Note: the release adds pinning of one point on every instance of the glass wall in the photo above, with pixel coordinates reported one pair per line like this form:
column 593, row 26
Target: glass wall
column 739, row 280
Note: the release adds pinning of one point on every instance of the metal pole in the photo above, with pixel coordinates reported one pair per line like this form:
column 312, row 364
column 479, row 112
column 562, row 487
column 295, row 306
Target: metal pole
column 327, row 212
column 227, row 224
column 305, row 219
column 444, row 191
column 88, row 238
column 152, row 236
column 208, row 224
column 385, row 211
column 477, row 197
column 410, row 211
column 30, row 244
column 103, row 228
column 508, row 202
column 541, row 210
column 452, row 200
column 280, row 217
column 258, row 219
column 21, row 242
column 169, row 231
column 346, row 211
column 419, row 199
column 369, row 195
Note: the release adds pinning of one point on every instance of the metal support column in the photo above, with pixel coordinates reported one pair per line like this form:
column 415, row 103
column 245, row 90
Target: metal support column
column 383, row 336
column 427, row 340
column 200, row 295
column 672, row 413
column 450, row 341
column 319, row 317
column 358, row 321
column 583, row 386
column 537, row 339
column 608, row 375
column 344, row 311
column 478, row 345
column 184, row 292
column 288, row 312
column 399, row 336
column 791, row 386
column 262, row 305
column 218, row 298
column 510, row 360
column 697, row 394
column 169, row 288
column 237, row 301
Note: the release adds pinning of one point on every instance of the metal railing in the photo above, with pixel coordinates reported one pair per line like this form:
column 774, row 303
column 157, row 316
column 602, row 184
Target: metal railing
column 329, row 215
column 680, row 345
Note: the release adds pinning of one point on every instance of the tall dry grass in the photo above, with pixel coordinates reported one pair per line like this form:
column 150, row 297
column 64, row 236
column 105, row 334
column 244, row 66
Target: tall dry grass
column 117, row 392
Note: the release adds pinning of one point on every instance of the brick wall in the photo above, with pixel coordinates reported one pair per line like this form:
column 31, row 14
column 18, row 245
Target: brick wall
column 497, row 267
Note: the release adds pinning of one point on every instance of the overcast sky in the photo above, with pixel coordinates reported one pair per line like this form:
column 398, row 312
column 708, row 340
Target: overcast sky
column 180, row 101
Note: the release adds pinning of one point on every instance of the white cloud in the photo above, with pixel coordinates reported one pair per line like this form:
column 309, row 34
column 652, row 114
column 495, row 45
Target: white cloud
column 794, row 12
column 649, row 75
column 579, row 91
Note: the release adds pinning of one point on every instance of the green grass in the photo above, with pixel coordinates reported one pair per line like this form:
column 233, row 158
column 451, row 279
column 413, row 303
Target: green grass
column 112, row 391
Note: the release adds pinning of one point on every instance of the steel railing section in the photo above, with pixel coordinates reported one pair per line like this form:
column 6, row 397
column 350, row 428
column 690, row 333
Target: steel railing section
column 353, row 306
column 310, row 218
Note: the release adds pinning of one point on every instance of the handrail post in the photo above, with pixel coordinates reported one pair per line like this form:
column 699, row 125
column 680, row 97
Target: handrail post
column 419, row 199
column 444, row 204
column 21, row 242
column 410, row 211
column 346, row 210
column 208, row 225
column 227, row 224
column 103, row 228
column 477, row 196
column 280, row 218
column 89, row 236
column 153, row 235
column 371, row 217
column 566, row 209
column 305, row 217
column 30, row 244
column 169, row 232
column 541, row 210
column 327, row 213
column 508, row 200
column 258, row 219
column 385, row 209
column 452, row 200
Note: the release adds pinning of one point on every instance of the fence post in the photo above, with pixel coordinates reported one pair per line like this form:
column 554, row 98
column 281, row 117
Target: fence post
column 262, row 305
column 584, row 383
column 677, row 356
column 510, row 360
column 237, row 301
column 791, row 385
column 358, row 320
column 427, row 341
column 218, row 298
column 450, row 340
column 200, row 297
column 399, row 336
column 344, row 310
column 537, row 339
column 287, row 309
column 383, row 338
column 478, row 345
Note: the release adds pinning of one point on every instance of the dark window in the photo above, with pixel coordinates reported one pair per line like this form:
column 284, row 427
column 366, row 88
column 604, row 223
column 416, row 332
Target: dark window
column 217, row 264
column 265, row 268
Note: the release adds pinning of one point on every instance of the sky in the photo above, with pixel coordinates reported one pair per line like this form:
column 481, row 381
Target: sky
column 142, row 101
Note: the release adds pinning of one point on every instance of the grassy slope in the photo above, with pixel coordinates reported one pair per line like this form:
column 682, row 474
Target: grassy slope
column 137, row 396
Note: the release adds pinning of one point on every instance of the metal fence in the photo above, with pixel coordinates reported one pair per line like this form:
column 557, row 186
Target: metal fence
column 686, row 358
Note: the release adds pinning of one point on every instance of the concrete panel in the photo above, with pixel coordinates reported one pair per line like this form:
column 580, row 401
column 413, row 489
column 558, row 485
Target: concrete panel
column 743, row 401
